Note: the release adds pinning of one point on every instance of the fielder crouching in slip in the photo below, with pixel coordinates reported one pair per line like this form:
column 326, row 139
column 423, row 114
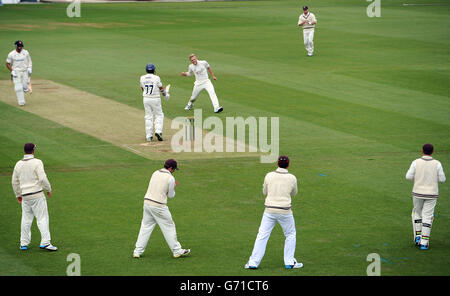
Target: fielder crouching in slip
column 279, row 186
column 162, row 185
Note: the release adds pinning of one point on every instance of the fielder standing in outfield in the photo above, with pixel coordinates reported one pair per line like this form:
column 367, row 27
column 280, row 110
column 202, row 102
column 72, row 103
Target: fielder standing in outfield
column 19, row 64
column 426, row 172
column 151, row 89
column 29, row 182
column 279, row 186
column 162, row 185
column 200, row 69
column 308, row 21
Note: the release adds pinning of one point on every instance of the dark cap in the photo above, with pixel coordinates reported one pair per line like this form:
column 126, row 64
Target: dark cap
column 428, row 149
column 305, row 7
column 18, row 43
column 28, row 148
column 171, row 163
column 283, row 161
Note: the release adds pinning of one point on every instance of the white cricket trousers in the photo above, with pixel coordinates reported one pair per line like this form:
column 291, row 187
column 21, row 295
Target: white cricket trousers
column 153, row 111
column 30, row 209
column 308, row 39
column 209, row 87
column 422, row 218
column 21, row 80
column 268, row 222
column 161, row 216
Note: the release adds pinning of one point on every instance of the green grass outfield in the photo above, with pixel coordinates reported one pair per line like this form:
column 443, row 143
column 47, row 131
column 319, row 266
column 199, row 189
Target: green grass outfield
column 352, row 118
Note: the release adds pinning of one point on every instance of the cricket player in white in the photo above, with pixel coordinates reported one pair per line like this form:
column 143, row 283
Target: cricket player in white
column 19, row 64
column 28, row 182
column 151, row 89
column 308, row 21
column 200, row 69
column 279, row 186
column 162, row 185
column 426, row 172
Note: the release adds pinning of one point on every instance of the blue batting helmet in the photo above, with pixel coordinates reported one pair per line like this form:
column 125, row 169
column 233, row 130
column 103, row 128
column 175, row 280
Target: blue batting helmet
column 150, row 68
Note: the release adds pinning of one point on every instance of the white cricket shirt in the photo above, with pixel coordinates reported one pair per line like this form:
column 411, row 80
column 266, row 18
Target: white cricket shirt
column 161, row 186
column 200, row 71
column 310, row 17
column 19, row 61
column 426, row 172
column 279, row 186
column 151, row 84
column 29, row 177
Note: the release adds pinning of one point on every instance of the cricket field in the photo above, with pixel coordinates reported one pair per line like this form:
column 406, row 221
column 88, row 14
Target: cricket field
column 352, row 118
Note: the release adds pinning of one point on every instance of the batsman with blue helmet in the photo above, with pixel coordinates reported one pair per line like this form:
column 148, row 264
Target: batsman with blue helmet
column 152, row 88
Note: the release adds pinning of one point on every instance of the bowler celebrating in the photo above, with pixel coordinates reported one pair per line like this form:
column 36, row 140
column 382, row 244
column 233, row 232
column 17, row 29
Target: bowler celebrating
column 200, row 69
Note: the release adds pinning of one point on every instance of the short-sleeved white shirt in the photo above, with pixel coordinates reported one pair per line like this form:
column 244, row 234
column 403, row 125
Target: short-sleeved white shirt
column 151, row 84
column 200, row 71
column 19, row 61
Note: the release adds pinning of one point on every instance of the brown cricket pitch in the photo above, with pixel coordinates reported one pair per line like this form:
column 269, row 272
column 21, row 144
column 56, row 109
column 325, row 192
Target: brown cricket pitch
column 117, row 123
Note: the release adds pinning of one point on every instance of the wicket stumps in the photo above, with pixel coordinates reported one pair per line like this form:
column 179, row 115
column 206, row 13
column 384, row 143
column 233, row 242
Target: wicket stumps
column 189, row 129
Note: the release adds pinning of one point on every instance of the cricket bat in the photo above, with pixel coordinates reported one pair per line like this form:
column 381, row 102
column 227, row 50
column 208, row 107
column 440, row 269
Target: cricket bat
column 167, row 96
column 30, row 89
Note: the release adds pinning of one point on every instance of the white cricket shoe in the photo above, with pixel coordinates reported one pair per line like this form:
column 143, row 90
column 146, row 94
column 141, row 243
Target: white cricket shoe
column 188, row 107
column 247, row 266
column 136, row 255
column 48, row 248
column 182, row 253
column 149, row 139
column 218, row 110
column 296, row 265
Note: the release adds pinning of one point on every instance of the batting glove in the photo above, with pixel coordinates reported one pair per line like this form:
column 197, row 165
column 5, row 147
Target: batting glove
column 29, row 71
